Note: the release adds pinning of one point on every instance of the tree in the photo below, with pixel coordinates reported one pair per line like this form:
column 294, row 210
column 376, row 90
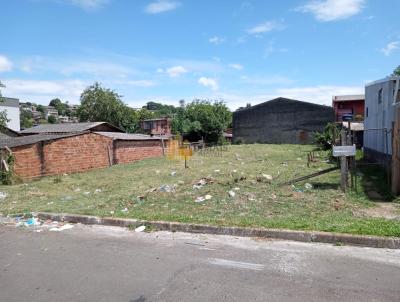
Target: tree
column 26, row 120
column 100, row 104
column 202, row 119
column 52, row 119
column 396, row 71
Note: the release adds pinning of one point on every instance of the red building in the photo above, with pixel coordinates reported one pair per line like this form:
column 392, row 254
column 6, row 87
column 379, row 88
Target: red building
column 349, row 105
column 157, row 126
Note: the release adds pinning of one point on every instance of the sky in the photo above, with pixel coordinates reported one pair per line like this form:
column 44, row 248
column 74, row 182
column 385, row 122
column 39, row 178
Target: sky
column 167, row 50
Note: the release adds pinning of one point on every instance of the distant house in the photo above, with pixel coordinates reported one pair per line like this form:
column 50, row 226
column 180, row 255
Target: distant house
column 349, row 106
column 380, row 97
column 11, row 106
column 280, row 121
column 157, row 126
column 50, row 111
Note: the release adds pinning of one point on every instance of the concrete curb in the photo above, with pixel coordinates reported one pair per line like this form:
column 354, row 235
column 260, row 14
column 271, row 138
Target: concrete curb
column 303, row 236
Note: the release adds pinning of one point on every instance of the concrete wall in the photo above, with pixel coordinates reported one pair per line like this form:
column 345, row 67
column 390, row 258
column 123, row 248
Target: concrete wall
column 379, row 115
column 280, row 121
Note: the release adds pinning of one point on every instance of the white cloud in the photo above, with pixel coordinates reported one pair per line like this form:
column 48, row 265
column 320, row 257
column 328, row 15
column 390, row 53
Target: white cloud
column 236, row 66
column 332, row 10
column 136, row 83
column 42, row 91
column 208, row 82
column 89, row 4
column 161, row 6
column 176, row 71
column 265, row 27
column 216, row 40
column 389, row 48
column 5, row 64
column 98, row 69
column 267, row 80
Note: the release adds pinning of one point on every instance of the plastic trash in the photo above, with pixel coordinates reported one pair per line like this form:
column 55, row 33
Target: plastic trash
column 125, row 210
column 207, row 197
column 267, row 177
column 62, row 228
column 308, row 186
column 140, row 229
column 97, row 191
column 165, row 188
column 231, row 193
column 200, row 199
column 3, row 195
column 32, row 222
column 173, row 173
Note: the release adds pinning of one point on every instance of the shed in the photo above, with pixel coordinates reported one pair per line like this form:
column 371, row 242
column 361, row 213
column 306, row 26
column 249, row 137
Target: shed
column 280, row 121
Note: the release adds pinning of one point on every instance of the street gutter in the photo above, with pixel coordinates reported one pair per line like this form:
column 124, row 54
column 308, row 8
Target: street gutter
column 303, row 236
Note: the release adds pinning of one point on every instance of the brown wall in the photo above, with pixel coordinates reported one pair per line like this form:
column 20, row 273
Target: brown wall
column 79, row 153
column 129, row 151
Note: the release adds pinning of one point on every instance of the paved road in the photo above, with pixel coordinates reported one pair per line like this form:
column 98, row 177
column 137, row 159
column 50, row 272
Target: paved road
column 112, row 264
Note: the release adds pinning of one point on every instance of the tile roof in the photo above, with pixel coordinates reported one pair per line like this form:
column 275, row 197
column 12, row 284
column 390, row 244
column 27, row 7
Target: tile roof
column 128, row 136
column 67, row 128
column 30, row 139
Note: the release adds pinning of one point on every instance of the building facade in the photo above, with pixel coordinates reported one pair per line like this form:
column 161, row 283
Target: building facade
column 280, row 121
column 380, row 97
column 157, row 126
column 11, row 107
column 349, row 105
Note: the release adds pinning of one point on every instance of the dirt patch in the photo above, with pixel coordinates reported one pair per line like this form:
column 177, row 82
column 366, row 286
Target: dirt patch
column 382, row 210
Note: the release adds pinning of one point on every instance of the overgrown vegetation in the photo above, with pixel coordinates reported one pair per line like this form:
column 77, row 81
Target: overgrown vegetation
column 150, row 190
column 326, row 139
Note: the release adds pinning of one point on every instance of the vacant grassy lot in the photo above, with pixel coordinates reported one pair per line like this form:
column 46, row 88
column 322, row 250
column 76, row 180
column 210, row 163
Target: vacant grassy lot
column 221, row 189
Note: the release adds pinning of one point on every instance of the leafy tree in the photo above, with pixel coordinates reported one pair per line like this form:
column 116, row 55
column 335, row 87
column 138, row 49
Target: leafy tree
column 52, row 119
column 100, row 104
column 396, row 72
column 55, row 102
column 202, row 119
column 26, row 120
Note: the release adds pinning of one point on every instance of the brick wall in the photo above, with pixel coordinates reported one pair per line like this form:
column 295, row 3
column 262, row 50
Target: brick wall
column 129, row 151
column 79, row 153
column 27, row 161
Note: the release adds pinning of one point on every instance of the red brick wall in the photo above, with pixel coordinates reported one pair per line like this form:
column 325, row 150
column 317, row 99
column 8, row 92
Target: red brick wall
column 27, row 161
column 79, row 153
column 129, row 151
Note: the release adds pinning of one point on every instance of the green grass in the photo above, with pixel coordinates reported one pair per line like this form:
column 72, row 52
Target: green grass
column 257, row 203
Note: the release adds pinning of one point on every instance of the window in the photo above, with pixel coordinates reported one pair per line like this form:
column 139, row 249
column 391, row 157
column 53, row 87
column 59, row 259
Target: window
column 380, row 96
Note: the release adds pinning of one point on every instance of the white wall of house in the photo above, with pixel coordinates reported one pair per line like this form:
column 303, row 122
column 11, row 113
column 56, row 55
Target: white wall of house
column 379, row 114
column 11, row 106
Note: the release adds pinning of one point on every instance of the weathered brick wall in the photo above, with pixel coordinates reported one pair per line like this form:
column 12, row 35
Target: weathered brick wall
column 129, row 151
column 27, row 161
column 77, row 154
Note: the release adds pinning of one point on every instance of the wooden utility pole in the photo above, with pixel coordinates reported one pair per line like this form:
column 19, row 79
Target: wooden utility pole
column 343, row 164
column 396, row 152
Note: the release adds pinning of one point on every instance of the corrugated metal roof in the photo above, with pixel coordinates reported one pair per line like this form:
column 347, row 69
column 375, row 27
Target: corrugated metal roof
column 281, row 100
column 9, row 102
column 66, row 128
column 128, row 136
column 30, row 139
column 343, row 98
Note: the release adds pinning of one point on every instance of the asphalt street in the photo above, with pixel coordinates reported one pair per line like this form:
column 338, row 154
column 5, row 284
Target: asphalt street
column 95, row 263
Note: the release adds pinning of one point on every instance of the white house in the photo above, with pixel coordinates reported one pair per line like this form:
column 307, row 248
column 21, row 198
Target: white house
column 11, row 106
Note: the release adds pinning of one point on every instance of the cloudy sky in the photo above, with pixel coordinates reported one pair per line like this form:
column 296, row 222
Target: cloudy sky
column 167, row 50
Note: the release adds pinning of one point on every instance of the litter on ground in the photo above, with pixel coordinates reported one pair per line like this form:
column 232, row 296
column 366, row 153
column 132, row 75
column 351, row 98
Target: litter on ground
column 3, row 195
column 62, row 228
column 140, row 229
column 231, row 193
